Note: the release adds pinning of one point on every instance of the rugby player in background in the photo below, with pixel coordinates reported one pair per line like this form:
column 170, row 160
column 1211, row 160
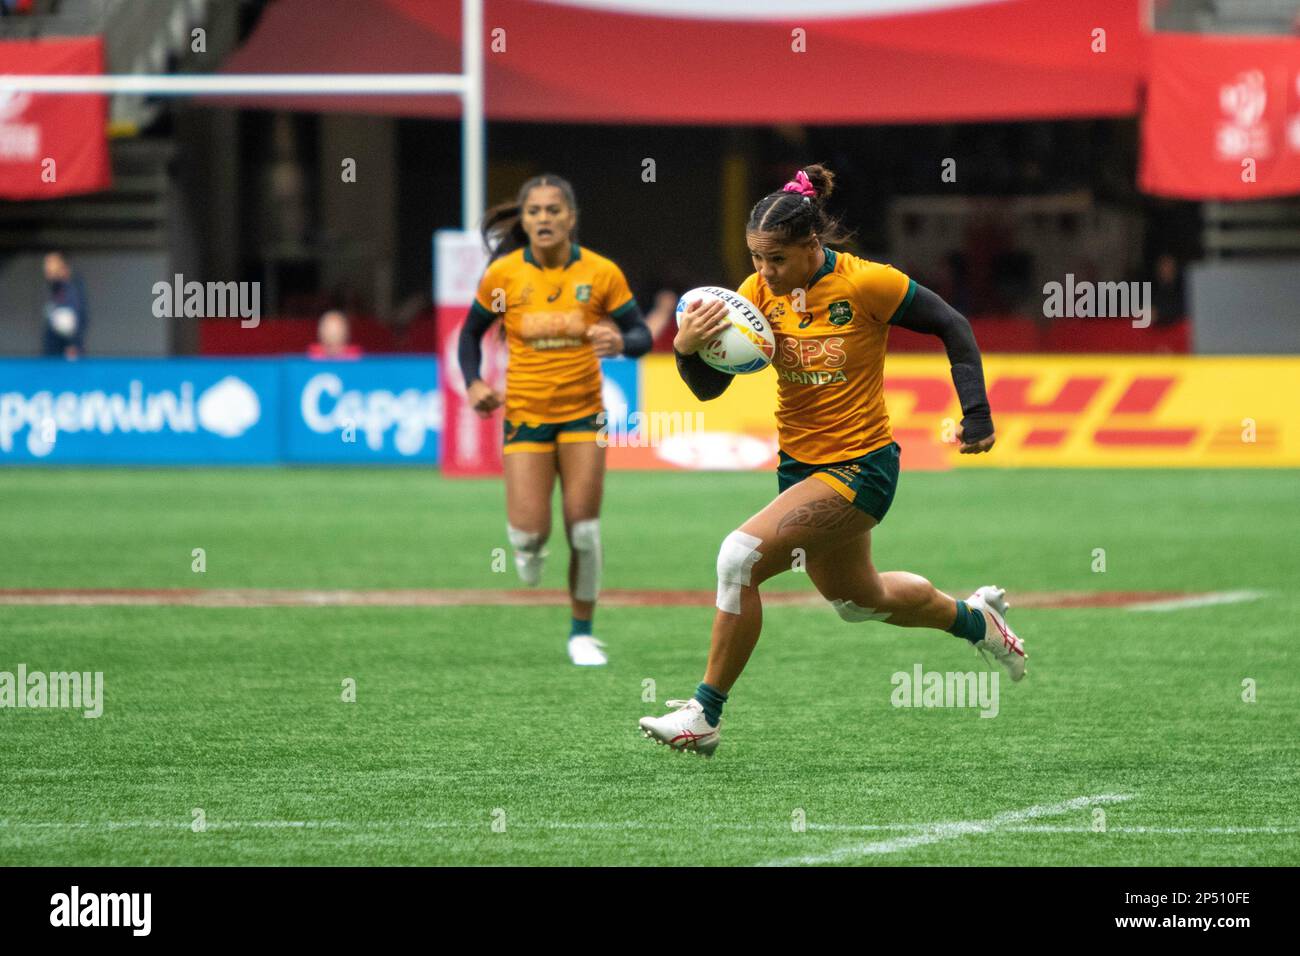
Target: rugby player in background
column 563, row 308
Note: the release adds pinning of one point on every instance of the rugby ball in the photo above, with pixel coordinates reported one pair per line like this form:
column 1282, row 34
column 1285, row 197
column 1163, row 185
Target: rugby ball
column 747, row 346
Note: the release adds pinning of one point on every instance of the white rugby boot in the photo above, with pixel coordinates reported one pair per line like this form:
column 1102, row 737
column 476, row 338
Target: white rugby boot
column 999, row 640
column 684, row 729
column 586, row 651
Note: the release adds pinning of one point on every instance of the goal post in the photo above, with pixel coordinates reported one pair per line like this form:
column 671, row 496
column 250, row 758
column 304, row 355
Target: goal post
column 468, row 85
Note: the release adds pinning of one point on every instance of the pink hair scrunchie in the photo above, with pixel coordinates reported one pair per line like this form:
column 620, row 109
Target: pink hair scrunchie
column 802, row 185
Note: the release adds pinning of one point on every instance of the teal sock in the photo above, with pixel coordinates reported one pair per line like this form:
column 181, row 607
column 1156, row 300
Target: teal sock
column 969, row 624
column 711, row 699
column 579, row 626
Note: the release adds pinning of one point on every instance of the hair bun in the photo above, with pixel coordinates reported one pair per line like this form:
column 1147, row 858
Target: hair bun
column 822, row 179
column 797, row 211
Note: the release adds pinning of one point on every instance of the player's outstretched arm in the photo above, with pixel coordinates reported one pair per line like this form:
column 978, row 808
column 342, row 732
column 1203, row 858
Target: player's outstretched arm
column 469, row 350
column 928, row 313
column 700, row 323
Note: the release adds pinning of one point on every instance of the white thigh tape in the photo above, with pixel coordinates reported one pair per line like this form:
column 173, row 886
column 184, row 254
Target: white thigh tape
column 736, row 559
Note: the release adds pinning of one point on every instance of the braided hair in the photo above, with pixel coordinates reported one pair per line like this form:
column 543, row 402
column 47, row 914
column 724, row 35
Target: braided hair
column 792, row 217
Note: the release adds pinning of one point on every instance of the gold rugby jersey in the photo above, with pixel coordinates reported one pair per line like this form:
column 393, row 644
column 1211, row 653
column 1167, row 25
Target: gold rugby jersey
column 830, row 357
column 553, row 374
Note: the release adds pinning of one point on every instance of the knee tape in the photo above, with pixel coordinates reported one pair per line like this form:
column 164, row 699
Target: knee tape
column 525, row 542
column 852, row 613
column 584, row 538
column 736, row 559
column 529, row 554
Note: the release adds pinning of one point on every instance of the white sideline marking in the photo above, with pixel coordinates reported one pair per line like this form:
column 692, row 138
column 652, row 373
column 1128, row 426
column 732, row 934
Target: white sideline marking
column 1053, row 828
column 777, row 826
column 1049, row 828
column 368, row 825
column 937, row 832
column 1198, row 600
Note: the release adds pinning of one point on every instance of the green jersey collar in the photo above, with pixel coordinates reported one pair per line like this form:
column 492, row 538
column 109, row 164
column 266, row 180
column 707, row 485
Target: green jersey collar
column 574, row 255
column 827, row 267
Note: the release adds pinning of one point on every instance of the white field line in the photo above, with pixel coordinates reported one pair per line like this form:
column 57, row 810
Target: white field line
column 608, row 825
column 1052, row 828
column 1049, row 828
column 1198, row 600
column 938, row 832
column 483, row 824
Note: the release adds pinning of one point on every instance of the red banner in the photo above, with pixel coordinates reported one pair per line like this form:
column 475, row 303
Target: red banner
column 1222, row 117
column 52, row 144
column 643, row 61
column 471, row 445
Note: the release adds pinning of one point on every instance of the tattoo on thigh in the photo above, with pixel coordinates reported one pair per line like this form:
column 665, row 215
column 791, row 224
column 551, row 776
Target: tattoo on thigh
column 825, row 514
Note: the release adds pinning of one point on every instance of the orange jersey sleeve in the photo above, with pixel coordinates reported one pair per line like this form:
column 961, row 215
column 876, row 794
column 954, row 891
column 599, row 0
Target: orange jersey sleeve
column 491, row 288
column 881, row 290
column 615, row 293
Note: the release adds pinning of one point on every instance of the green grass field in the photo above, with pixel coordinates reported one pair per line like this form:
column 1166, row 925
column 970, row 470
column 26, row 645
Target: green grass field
column 470, row 716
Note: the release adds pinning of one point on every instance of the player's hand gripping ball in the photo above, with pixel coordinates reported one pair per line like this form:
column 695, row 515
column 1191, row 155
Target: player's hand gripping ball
column 745, row 344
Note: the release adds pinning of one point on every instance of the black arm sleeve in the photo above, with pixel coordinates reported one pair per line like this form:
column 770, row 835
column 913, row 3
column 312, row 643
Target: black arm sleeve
column 636, row 334
column 928, row 313
column 705, row 381
column 469, row 347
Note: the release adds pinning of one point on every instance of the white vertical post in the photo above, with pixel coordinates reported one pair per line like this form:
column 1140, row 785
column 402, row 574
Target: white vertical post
column 473, row 169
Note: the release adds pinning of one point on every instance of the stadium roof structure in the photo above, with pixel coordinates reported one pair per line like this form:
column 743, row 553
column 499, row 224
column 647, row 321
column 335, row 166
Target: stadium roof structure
column 710, row 62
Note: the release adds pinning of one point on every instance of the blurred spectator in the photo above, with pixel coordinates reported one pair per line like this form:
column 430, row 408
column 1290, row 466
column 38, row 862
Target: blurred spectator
column 662, row 320
column 1167, row 292
column 332, row 338
column 65, row 310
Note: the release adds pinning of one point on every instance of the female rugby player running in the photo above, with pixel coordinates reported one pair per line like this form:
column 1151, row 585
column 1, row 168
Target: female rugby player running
column 557, row 300
column 830, row 312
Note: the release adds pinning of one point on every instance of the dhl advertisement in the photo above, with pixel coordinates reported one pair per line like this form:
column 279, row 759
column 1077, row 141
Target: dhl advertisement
column 1057, row 411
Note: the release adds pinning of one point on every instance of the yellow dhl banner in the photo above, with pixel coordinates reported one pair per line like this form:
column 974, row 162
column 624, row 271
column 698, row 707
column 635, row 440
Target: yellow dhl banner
column 1049, row 410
